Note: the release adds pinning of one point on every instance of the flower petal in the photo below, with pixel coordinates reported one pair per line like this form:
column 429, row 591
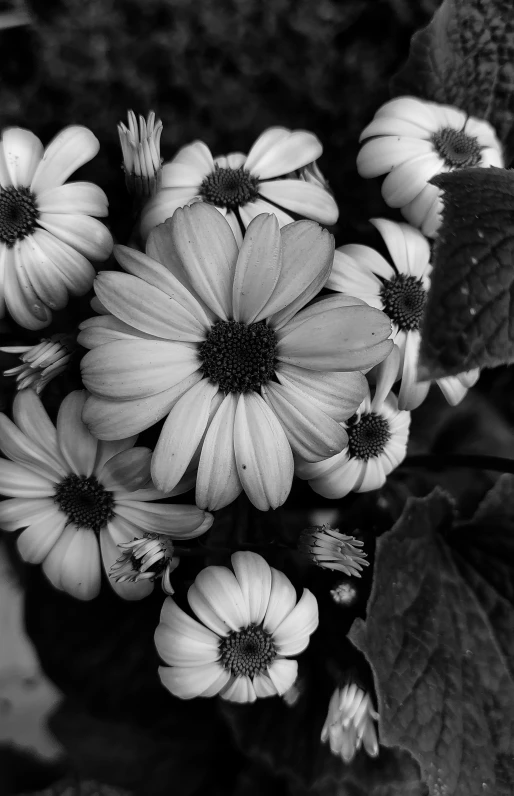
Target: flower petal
column 404, row 182
column 254, row 577
column 188, row 682
column 75, row 197
column 339, row 478
column 422, row 116
column 77, row 445
column 372, row 477
column 73, row 563
column 240, row 690
column 409, row 249
column 263, row 454
column 19, row 481
column 37, row 540
column 22, row 152
column 282, row 600
column 30, row 416
column 163, row 206
column 44, row 276
column 127, row 470
column 76, row 271
column 283, row 674
column 257, row 268
column 292, row 635
column 178, row 521
column 20, row 449
column 182, row 641
column 20, row 512
column 69, row 150
column 110, row 537
column 381, row 155
column 338, row 394
column 102, row 329
column 218, row 482
column 351, row 277
column 263, row 686
column 87, row 235
column 196, row 157
column 303, row 198
column 21, row 300
column 217, row 600
column 279, row 151
column 259, row 206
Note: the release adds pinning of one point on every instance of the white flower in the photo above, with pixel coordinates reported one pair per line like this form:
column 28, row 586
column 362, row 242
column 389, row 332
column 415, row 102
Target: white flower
column 219, row 341
column 47, row 235
column 377, row 444
column 140, row 146
column 250, row 623
column 41, row 362
column 78, row 498
column 331, row 549
column 400, row 290
column 350, row 723
column 411, row 141
column 244, row 186
column 146, row 558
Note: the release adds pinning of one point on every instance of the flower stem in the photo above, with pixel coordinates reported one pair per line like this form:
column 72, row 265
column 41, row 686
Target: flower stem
column 445, row 461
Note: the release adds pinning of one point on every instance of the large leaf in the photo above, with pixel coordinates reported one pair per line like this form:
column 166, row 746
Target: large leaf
column 464, row 57
column 439, row 636
column 469, row 320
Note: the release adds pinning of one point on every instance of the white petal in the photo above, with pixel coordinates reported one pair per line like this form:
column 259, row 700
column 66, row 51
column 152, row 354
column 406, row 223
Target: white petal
column 110, row 537
column 77, row 445
column 30, row 416
column 373, row 476
column 412, row 392
column 217, row 599
column 253, row 209
column 273, row 155
column 22, row 511
column 193, row 681
column 73, row 564
column 402, row 114
column 381, row 155
column 44, row 276
column 177, row 521
column 102, row 329
column 21, row 449
column 263, row 454
column 452, row 389
column 292, row 635
column 76, row 271
column 179, row 623
column 257, row 269
column 421, row 211
column 22, row 151
column 87, row 235
column 283, row 674
column 163, row 206
column 37, row 540
column 75, row 197
column 19, row 481
column 21, row 300
column 263, row 686
column 338, row 394
column 282, row 600
column 69, row 150
column 340, row 480
column 352, row 277
column 195, row 156
column 409, row 249
column 241, row 690
column 303, row 198
column 365, row 258
column 127, row 470
column 218, row 482
column 234, row 160
column 404, row 182
column 491, row 156
column 254, row 577
column 182, row 641
column 235, row 226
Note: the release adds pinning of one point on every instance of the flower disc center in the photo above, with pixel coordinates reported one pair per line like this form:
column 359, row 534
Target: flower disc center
column 247, row 652
column 18, row 214
column 457, row 149
column 229, row 187
column 238, row 357
column 368, row 437
column 85, row 501
column 404, row 299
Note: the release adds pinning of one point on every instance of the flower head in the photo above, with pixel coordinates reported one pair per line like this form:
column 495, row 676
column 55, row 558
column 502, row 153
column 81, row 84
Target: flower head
column 343, row 593
column 78, row 498
column 140, row 145
column 350, row 723
column 146, row 558
column 218, row 341
column 400, row 289
column 47, row 235
column 411, row 141
column 41, row 362
column 330, row 549
column 244, row 186
column 250, row 623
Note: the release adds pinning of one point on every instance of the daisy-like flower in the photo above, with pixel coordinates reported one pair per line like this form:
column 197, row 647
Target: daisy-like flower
column 47, row 235
column 140, row 145
column 244, row 186
column 399, row 289
column 218, row 340
column 146, row 558
column 330, row 549
column 250, row 623
column 78, row 498
column 350, row 723
column 411, row 141
column 41, row 362
column 377, row 444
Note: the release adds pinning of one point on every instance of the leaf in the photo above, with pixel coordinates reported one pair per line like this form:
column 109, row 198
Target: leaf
column 468, row 319
column 465, row 57
column 439, row 651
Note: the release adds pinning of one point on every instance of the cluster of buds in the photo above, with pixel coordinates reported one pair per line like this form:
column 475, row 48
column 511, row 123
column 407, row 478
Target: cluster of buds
column 147, row 558
column 330, row 549
column 350, row 723
column 40, row 363
column 140, row 146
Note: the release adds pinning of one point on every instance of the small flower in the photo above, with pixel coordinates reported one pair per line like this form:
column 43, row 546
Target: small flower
column 47, row 235
column 241, row 185
column 140, row 146
column 350, row 723
column 399, row 289
column 146, row 559
column 411, row 141
column 41, row 362
column 78, row 498
column 251, row 625
column 330, row 549
column 344, row 593
column 377, row 443
column 218, row 341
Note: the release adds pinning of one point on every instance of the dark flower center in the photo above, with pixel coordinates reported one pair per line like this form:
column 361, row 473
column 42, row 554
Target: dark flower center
column 229, row 187
column 404, row 299
column 238, row 357
column 18, row 214
column 368, row 436
column 458, row 150
column 247, row 652
column 85, row 501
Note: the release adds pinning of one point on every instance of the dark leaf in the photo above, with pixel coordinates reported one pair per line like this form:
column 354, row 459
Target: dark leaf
column 465, row 57
column 468, row 321
column 438, row 644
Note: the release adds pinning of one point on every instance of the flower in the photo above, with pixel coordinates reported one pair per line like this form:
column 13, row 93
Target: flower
column 377, row 443
column 343, row 593
column 400, row 290
column 411, row 141
column 250, row 623
column 146, row 558
column 330, row 549
column 141, row 153
column 78, row 498
column 244, row 186
column 41, row 362
column 218, row 340
column 350, row 723
column 47, row 235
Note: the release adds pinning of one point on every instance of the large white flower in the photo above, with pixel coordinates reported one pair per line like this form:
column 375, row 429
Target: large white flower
column 411, row 141
column 250, row 623
column 47, row 235
column 218, row 340
column 78, row 498
column 399, row 289
column 243, row 186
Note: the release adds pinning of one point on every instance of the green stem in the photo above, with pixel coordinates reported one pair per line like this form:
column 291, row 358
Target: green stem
column 445, row 461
